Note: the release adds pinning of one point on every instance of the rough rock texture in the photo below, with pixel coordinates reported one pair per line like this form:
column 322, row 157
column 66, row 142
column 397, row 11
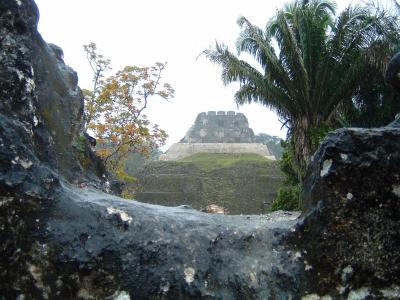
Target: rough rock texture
column 220, row 127
column 351, row 231
column 61, row 242
column 40, row 93
column 181, row 150
column 155, row 252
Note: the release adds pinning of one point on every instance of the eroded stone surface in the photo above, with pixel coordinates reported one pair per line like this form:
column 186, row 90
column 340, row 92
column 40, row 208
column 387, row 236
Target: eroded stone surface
column 220, row 127
column 351, row 230
column 59, row 241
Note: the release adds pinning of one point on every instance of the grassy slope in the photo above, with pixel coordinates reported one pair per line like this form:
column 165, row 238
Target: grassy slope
column 240, row 182
column 212, row 161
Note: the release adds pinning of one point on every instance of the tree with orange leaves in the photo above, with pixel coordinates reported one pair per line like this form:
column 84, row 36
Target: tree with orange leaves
column 114, row 110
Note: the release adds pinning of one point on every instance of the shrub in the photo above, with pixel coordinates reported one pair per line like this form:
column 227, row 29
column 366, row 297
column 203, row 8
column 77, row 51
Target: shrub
column 288, row 198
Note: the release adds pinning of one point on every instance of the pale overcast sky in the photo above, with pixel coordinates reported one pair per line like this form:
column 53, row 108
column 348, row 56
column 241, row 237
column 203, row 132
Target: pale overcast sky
column 133, row 32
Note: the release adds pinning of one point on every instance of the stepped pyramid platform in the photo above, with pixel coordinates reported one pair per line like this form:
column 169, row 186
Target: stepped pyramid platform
column 218, row 132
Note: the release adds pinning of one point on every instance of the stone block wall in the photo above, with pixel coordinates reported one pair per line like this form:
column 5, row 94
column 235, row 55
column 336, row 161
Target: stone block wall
column 220, row 127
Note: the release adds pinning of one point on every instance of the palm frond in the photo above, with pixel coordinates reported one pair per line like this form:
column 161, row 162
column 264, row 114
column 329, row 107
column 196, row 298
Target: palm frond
column 319, row 62
column 254, row 42
column 291, row 57
column 233, row 69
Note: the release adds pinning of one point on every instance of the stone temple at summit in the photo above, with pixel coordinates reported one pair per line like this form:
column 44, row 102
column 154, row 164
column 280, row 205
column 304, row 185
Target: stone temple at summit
column 220, row 127
column 218, row 132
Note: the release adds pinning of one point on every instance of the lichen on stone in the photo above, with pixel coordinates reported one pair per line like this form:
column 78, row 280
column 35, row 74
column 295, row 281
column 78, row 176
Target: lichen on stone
column 26, row 164
column 391, row 293
column 123, row 214
column 346, row 273
column 326, row 165
column 316, row 297
column 396, row 189
column 359, row 294
column 122, row 296
column 189, row 275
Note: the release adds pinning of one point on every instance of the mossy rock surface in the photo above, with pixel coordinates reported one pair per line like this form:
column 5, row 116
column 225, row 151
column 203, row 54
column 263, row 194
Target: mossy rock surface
column 242, row 183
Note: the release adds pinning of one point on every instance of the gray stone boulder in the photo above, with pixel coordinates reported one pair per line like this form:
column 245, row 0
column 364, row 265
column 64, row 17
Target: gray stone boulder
column 58, row 241
column 351, row 229
column 40, row 95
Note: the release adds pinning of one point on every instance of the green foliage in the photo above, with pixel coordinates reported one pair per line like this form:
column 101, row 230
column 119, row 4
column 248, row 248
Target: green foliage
column 288, row 198
column 318, row 134
column 289, row 193
column 130, row 187
column 273, row 143
column 373, row 107
column 311, row 64
column 81, row 146
column 135, row 162
column 288, row 163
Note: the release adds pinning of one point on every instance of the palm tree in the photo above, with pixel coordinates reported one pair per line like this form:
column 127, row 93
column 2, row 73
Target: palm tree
column 309, row 64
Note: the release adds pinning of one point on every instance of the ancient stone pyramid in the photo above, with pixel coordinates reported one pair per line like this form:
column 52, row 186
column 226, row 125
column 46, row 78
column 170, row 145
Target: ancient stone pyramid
column 218, row 132
column 220, row 127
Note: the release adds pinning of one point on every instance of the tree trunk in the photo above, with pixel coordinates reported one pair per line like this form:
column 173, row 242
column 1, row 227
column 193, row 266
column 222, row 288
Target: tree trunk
column 303, row 149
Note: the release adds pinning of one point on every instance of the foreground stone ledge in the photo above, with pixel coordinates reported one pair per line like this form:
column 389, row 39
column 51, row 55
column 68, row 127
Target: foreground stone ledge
column 61, row 242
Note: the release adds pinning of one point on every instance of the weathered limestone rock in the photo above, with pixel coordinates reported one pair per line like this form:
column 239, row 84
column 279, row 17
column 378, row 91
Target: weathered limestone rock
column 62, row 242
column 41, row 92
column 351, row 232
column 58, row 241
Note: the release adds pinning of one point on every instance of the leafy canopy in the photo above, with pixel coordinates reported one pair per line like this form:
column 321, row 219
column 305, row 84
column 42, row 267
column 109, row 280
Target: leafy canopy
column 114, row 109
column 310, row 64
